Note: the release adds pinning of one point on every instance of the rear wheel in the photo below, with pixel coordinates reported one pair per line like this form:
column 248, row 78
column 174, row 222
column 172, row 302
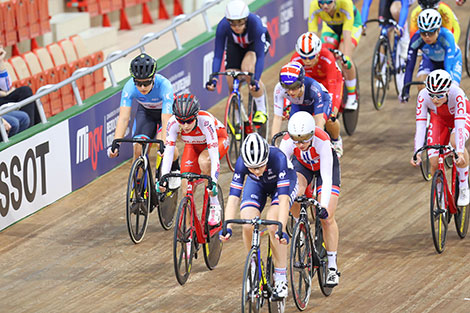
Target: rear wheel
column 251, row 282
column 183, row 242
column 461, row 218
column 301, row 265
column 138, row 200
column 322, row 266
column 425, row 165
column 380, row 73
column 350, row 117
column 213, row 245
column 167, row 208
column 235, row 130
column 467, row 50
column 278, row 305
column 438, row 212
column 262, row 129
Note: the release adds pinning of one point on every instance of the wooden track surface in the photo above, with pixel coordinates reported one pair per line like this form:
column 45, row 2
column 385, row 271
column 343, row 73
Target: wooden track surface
column 76, row 256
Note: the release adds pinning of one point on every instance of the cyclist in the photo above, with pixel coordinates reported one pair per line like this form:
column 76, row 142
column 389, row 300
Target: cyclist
column 449, row 19
column 439, row 50
column 450, row 110
column 153, row 95
column 319, row 64
column 342, row 28
column 269, row 174
column 206, row 142
column 312, row 156
column 247, row 41
column 304, row 94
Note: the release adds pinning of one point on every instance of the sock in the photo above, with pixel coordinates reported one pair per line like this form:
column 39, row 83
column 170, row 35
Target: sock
column 280, row 274
column 260, row 104
column 351, row 87
column 214, row 200
column 463, row 176
column 332, row 259
column 175, row 165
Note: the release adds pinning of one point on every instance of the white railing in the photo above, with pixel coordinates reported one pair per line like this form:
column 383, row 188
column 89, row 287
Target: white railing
column 112, row 57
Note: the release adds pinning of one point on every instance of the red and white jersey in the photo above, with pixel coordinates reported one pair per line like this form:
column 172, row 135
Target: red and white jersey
column 319, row 157
column 205, row 133
column 454, row 114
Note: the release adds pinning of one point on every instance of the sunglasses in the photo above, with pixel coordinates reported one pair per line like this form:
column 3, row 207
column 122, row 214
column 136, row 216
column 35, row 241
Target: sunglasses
column 428, row 34
column 238, row 23
column 144, row 83
column 308, row 58
column 321, row 2
column 437, row 95
column 293, row 86
column 186, row 121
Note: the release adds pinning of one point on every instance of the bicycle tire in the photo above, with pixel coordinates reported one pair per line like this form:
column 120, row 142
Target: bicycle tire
column 301, row 265
column 290, row 225
column 213, row 246
column 167, row 208
column 182, row 235
column 425, row 166
column 437, row 213
column 467, row 49
column 251, row 297
column 322, row 257
column 235, row 130
column 461, row 218
column 378, row 86
column 351, row 117
column 138, row 201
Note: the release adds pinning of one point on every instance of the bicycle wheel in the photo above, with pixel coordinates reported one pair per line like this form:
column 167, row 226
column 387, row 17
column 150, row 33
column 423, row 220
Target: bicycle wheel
column 425, row 166
column 262, row 129
column 379, row 81
column 290, row 225
column 167, row 208
column 183, row 234
column 300, row 266
column 438, row 212
column 138, row 200
column 213, row 246
column 467, row 49
column 251, row 296
column 234, row 126
column 350, row 117
column 461, row 218
column 277, row 305
column 323, row 261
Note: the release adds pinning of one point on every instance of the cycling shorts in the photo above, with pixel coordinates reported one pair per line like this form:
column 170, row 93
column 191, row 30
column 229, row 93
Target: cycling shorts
column 332, row 35
column 427, row 66
column 147, row 122
column 439, row 133
column 335, row 91
column 235, row 53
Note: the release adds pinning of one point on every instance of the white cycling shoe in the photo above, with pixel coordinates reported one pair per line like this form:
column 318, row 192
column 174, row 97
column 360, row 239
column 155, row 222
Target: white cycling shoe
column 464, row 196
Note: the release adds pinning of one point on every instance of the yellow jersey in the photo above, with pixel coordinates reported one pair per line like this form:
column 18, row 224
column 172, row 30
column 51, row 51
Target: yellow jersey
column 343, row 15
column 449, row 20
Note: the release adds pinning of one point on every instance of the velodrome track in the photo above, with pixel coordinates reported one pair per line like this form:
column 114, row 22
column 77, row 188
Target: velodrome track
column 75, row 255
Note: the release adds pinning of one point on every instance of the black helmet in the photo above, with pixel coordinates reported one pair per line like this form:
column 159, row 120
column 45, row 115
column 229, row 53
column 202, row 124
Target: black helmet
column 186, row 107
column 428, row 4
column 143, row 66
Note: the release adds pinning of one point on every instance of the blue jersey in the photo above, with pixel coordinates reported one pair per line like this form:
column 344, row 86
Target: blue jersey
column 277, row 177
column 159, row 98
column 255, row 33
column 384, row 10
column 315, row 100
column 444, row 52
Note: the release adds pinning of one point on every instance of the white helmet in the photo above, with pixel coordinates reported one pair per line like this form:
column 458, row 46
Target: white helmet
column 438, row 81
column 255, row 151
column 308, row 45
column 236, row 10
column 429, row 20
column 301, row 126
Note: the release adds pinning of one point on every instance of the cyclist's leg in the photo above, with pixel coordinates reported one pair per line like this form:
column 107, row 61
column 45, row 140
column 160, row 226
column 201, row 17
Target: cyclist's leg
column 304, row 177
column 248, row 65
column 190, row 153
column 144, row 124
column 233, row 61
column 462, row 170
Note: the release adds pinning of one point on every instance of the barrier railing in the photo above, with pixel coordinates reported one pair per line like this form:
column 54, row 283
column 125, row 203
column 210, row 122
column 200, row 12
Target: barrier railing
column 112, row 57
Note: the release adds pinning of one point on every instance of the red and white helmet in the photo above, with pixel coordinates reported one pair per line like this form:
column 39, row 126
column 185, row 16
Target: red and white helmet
column 308, row 45
column 236, row 10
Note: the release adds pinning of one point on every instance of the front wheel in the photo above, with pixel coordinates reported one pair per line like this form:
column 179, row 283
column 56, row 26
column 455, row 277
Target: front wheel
column 167, row 208
column 380, row 73
column 251, row 295
column 213, row 245
column 183, row 241
column 235, row 129
column 138, row 200
column 438, row 212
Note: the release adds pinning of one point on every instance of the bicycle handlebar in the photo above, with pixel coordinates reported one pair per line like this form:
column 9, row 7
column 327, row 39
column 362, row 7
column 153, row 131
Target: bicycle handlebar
column 304, row 198
column 279, row 134
column 188, row 176
column 142, row 141
column 437, row 147
column 234, row 74
column 382, row 21
column 254, row 221
column 408, row 84
column 339, row 54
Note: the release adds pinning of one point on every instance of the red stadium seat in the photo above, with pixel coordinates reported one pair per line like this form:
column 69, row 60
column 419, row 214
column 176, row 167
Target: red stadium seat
column 104, row 6
column 33, row 18
column 9, row 22
column 85, row 60
column 22, row 23
column 65, row 70
column 52, row 99
column 44, row 16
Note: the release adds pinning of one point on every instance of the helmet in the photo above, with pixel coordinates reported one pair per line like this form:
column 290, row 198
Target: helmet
column 308, row 45
column 301, row 126
column 255, row 151
column 292, row 75
column 186, row 107
column 429, row 20
column 143, row 66
column 428, row 4
column 236, row 10
column 438, row 81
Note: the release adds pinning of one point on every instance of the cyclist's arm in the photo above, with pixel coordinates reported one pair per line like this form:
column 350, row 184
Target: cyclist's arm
column 219, row 45
column 231, row 208
column 278, row 109
column 259, row 45
column 365, row 10
column 460, row 117
column 411, row 60
column 313, row 18
column 322, row 100
column 287, row 146
column 323, row 147
column 209, row 131
column 172, row 130
column 421, row 119
column 450, row 47
column 167, row 104
column 122, row 122
column 405, row 4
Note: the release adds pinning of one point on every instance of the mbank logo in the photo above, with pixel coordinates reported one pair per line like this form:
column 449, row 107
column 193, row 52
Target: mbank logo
column 89, row 143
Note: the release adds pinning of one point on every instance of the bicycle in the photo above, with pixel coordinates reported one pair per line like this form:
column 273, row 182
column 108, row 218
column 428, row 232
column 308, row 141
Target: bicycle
column 467, row 49
column 194, row 230
column 258, row 279
column 308, row 255
column 386, row 62
column 444, row 200
column 141, row 197
column 238, row 121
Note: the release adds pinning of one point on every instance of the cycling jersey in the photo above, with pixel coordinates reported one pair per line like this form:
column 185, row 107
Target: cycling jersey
column 160, row 97
column 319, row 157
column 208, row 133
column 444, row 54
column 454, row 115
column 315, row 99
column 327, row 73
column 279, row 178
column 449, row 20
column 255, row 33
column 384, row 10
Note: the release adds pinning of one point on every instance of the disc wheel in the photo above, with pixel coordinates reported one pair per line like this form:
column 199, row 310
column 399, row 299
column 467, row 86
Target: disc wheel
column 438, row 212
column 235, row 130
column 301, row 265
column 379, row 82
column 322, row 267
column 183, row 242
column 425, row 166
column 213, row 245
column 251, row 282
column 350, row 117
column 138, row 200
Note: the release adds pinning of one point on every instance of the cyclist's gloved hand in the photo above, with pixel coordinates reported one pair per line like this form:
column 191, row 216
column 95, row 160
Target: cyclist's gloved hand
column 213, row 188
column 323, row 213
column 255, row 84
column 284, row 236
column 226, row 236
column 211, row 84
column 113, row 151
column 399, row 30
column 346, row 61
